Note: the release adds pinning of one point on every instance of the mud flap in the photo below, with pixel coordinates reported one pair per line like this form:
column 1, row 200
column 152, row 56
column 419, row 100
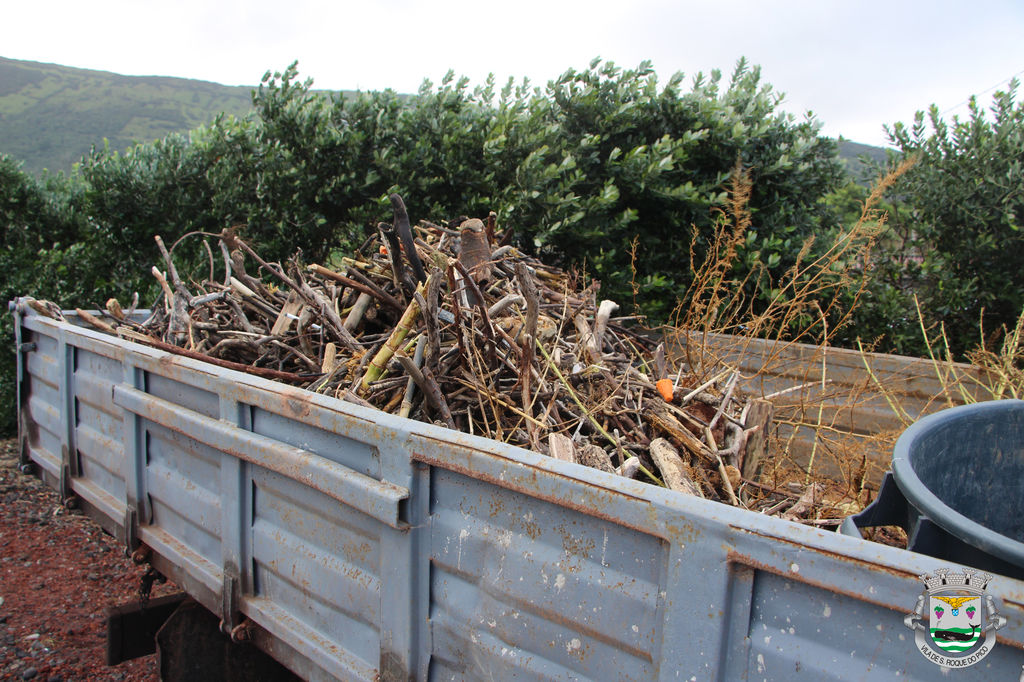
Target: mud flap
column 192, row 647
column 132, row 628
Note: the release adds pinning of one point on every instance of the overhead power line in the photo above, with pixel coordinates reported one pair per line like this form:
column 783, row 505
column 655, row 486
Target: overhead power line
column 983, row 92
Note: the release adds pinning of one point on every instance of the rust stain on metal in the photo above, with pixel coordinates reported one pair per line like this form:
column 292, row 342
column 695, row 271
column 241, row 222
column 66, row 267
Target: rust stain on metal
column 877, row 567
column 531, row 528
column 739, row 558
column 576, row 547
column 497, row 507
column 686, row 533
column 743, row 559
column 1009, row 642
column 568, row 622
column 518, row 520
column 357, row 551
column 265, row 640
column 167, row 360
column 593, row 509
column 296, row 402
column 241, row 632
column 141, row 555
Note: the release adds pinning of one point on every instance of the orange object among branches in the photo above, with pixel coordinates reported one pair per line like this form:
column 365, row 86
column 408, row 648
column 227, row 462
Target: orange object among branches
column 665, row 389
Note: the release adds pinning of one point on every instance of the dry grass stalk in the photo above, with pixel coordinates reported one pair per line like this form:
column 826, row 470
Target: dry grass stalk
column 993, row 375
column 806, row 304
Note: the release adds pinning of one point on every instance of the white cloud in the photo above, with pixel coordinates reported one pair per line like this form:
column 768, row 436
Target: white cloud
column 857, row 65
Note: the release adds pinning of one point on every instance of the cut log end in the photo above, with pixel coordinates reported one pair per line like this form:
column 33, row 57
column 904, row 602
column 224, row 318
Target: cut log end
column 674, row 471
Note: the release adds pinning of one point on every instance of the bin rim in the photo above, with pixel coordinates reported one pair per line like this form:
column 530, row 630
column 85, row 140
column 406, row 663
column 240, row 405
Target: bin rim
column 927, row 502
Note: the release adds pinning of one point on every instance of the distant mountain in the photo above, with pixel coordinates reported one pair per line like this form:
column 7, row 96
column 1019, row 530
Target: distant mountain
column 851, row 153
column 50, row 116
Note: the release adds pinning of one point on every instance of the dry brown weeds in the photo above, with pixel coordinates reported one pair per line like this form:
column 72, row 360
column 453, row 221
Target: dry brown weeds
column 758, row 328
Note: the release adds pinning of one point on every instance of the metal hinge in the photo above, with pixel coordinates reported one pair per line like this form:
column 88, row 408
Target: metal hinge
column 232, row 617
column 67, row 494
column 131, row 530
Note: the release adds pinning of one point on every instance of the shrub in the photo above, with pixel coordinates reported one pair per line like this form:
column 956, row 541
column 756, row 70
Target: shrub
column 960, row 214
column 604, row 169
column 39, row 255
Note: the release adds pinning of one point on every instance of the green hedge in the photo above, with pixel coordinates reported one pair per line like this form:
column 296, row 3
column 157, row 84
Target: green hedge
column 580, row 170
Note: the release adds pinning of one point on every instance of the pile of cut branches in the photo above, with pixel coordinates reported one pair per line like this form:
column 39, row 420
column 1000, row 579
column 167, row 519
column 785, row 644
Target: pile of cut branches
column 451, row 325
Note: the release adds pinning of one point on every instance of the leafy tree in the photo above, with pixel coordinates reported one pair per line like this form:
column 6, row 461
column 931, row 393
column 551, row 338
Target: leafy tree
column 624, row 175
column 883, row 317
column 153, row 189
column 603, row 168
column 39, row 256
column 312, row 170
column 961, row 210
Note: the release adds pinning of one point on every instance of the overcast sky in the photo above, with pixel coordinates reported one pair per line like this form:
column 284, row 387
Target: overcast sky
column 857, row 64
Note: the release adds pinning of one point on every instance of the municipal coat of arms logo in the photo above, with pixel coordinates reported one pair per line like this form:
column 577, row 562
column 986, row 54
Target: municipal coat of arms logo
column 955, row 621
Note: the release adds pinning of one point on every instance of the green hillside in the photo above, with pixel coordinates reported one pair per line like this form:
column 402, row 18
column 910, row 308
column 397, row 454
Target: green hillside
column 851, row 154
column 50, row 116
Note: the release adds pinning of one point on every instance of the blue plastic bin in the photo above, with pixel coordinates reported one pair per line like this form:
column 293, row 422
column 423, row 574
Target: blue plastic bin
column 957, row 487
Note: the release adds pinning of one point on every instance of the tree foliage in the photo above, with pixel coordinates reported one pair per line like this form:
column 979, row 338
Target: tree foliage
column 39, row 255
column 625, row 175
column 956, row 240
column 604, row 168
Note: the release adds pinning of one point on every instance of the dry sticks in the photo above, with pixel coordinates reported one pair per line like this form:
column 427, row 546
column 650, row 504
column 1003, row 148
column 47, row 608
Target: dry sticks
column 446, row 325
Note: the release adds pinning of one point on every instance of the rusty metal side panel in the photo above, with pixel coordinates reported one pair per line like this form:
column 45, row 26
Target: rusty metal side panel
column 40, row 406
column 99, row 426
column 364, row 546
column 250, row 497
column 523, row 588
column 525, row 584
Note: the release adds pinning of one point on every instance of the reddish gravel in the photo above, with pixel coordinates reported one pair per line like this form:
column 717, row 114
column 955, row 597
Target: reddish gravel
column 58, row 573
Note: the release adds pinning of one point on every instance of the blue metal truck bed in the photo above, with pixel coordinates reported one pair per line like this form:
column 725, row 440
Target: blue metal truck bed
column 354, row 544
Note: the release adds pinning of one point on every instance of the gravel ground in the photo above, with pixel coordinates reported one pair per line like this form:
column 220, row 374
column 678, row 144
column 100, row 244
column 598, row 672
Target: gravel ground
column 58, row 574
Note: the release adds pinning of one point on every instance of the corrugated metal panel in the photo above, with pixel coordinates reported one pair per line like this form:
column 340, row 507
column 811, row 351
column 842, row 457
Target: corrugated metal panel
column 494, row 550
column 361, row 545
column 318, row 563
